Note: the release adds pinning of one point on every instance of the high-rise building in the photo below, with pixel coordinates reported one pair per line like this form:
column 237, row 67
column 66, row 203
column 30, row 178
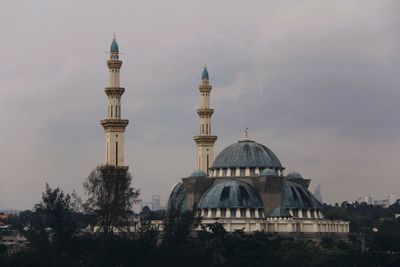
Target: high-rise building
column 391, row 199
column 318, row 194
column 156, row 203
column 371, row 200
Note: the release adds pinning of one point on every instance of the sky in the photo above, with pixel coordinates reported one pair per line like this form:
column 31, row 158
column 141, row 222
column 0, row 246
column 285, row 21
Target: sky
column 318, row 82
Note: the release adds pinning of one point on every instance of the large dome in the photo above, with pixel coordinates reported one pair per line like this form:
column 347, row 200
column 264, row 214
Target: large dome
column 247, row 154
column 231, row 194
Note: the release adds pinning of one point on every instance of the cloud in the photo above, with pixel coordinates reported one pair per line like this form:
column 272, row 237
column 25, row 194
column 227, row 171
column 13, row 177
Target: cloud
column 315, row 81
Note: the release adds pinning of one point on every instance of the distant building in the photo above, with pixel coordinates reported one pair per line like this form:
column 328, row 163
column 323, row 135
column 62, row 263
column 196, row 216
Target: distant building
column 391, row 199
column 371, row 200
column 155, row 202
column 317, row 193
column 381, row 202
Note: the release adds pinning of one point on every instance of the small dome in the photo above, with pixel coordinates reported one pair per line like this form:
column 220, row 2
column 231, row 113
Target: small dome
column 204, row 74
column 198, row 173
column 178, row 198
column 231, row 194
column 114, row 46
column 296, row 196
column 245, row 154
column 268, row 172
column 294, row 175
column 280, row 212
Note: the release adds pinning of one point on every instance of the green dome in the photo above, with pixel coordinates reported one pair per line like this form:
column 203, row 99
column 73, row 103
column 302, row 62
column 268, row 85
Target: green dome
column 114, row 46
column 198, row 173
column 294, row 175
column 204, row 74
column 231, row 194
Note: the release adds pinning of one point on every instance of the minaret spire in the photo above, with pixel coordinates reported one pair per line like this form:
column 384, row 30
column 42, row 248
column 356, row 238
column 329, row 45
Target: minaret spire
column 205, row 140
column 113, row 125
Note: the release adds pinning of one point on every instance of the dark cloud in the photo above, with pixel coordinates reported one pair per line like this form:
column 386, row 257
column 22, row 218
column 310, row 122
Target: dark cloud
column 316, row 81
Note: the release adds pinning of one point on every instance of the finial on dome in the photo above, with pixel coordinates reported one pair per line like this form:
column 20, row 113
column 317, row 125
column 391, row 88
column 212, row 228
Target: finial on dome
column 204, row 74
column 246, row 134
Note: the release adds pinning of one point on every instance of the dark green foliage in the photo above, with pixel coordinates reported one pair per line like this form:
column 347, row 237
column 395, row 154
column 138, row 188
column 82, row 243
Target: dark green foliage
column 52, row 221
column 3, row 249
column 110, row 197
column 179, row 245
column 362, row 217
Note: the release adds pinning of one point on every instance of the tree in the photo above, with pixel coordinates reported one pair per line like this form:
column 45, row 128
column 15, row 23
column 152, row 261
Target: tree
column 52, row 228
column 110, row 197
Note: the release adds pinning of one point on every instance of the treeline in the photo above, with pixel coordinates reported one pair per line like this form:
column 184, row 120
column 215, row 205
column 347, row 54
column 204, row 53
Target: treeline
column 65, row 245
column 54, row 231
column 362, row 217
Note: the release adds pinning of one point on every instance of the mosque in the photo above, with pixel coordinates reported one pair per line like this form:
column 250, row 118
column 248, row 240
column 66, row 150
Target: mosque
column 244, row 188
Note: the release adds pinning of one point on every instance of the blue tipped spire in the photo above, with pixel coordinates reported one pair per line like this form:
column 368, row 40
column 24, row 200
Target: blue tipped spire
column 204, row 74
column 114, row 46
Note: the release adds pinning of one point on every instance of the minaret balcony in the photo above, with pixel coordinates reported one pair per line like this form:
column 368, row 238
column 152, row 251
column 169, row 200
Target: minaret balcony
column 114, row 64
column 114, row 125
column 205, row 139
column 114, row 91
column 205, row 88
column 205, row 111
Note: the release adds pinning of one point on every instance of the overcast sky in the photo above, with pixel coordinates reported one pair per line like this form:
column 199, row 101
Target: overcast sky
column 318, row 82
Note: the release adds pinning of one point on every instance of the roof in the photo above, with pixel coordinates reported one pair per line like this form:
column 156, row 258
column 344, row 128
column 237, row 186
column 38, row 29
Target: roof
column 247, row 153
column 114, row 46
column 231, row 194
column 296, row 196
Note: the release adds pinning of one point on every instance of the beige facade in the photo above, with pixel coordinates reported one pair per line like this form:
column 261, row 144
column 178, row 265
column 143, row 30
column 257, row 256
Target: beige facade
column 113, row 125
column 281, row 225
column 205, row 140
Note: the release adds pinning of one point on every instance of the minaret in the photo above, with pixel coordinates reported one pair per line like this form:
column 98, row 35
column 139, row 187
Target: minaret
column 205, row 140
column 114, row 126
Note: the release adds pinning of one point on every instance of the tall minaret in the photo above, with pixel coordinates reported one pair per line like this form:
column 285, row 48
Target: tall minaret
column 205, row 141
column 114, row 126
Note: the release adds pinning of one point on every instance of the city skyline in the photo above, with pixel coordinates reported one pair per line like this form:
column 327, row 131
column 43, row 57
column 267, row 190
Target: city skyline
column 317, row 83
